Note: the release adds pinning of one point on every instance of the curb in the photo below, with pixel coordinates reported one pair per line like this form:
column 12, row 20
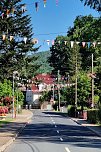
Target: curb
column 2, row 148
column 96, row 132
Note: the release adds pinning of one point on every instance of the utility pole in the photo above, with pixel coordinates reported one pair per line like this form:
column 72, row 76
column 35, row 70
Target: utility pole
column 13, row 113
column 58, row 90
column 53, row 92
column 76, row 76
column 76, row 87
column 92, row 83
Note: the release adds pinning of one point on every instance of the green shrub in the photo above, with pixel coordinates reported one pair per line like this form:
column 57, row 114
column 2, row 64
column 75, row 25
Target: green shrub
column 71, row 110
column 92, row 116
column 99, row 115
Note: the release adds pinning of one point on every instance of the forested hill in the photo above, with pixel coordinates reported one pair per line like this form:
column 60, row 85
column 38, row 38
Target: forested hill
column 43, row 61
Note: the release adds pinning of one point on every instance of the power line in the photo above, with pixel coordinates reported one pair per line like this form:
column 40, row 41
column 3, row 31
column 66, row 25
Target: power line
column 41, row 34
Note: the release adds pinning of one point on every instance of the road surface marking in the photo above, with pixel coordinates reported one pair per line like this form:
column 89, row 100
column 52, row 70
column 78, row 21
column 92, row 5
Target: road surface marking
column 58, row 131
column 67, row 150
column 61, row 139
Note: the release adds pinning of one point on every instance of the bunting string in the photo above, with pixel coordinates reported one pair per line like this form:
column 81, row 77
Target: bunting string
column 10, row 12
column 71, row 43
column 52, row 42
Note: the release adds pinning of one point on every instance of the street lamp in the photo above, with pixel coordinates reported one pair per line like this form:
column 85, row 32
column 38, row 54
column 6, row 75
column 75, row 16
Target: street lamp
column 15, row 73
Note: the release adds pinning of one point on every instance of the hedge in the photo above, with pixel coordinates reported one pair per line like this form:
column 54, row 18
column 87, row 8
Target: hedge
column 94, row 116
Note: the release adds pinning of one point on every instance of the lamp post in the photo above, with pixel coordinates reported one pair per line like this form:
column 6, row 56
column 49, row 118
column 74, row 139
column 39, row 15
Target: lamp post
column 92, row 84
column 58, row 90
column 13, row 110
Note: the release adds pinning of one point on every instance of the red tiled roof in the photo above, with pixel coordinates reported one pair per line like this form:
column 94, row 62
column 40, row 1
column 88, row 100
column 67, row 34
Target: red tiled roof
column 34, row 88
column 45, row 78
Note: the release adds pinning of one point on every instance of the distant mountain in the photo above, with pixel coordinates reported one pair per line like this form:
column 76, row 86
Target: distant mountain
column 43, row 62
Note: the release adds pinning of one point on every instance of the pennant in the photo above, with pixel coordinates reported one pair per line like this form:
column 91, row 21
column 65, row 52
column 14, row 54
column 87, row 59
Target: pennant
column 13, row 10
column 52, row 42
column 34, row 41
column 23, row 8
column 44, row 3
column 2, row 15
column 88, row 44
column 77, row 42
column 25, row 39
column 11, row 38
column 56, row 2
column 72, row 44
column 65, row 42
column 83, row 44
column 48, row 42
column 36, row 6
column 7, row 13
column 59, row 42
column 3, row 37
column 94, row 44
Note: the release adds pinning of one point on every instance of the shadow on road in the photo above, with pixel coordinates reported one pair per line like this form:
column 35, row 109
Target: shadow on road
column 75, row 135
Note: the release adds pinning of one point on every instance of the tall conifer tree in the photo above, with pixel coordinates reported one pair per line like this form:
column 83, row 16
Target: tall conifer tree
column 15, row 36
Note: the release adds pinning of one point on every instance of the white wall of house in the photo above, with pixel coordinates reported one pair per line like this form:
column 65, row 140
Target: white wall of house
column 36, row 96
column 29, row 96
column 32, row 97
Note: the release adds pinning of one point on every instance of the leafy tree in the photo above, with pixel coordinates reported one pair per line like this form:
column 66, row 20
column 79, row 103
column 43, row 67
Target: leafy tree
column 6, row 94
column 84, row 89
column 95, row 4
column 42, row 61
column 5, row 88
column 20, row 97
column 86, row 29
column 15, row 37
column 60, row 54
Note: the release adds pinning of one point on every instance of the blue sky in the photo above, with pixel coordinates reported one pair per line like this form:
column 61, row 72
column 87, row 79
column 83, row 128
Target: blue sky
column 55, row 19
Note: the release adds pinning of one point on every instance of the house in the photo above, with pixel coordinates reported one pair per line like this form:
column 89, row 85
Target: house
column 45, row 82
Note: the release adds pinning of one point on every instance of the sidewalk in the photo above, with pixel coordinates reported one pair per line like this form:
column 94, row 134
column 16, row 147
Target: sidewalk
column 9, row 131
column 93, row 127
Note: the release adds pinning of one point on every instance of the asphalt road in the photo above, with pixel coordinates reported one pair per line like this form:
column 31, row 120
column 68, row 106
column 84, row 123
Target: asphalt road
column 53, row 132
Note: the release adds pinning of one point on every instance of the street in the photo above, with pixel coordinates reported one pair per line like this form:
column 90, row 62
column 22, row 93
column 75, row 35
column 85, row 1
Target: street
column 53, row 132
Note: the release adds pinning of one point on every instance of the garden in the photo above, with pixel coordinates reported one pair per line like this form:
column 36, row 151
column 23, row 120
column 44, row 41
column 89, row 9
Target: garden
column 6, row 98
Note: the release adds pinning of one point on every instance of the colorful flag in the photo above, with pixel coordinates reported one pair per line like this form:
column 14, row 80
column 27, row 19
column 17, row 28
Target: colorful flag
column 48, row 42
column 88, row 44
column 44, row 3
column 36, row 6
column 72, row 44
column 52, row 42
column 25, row 39
column 11, row 38
column 56, row 2
column 83, row 44
column 94, row 44
column 3, row 36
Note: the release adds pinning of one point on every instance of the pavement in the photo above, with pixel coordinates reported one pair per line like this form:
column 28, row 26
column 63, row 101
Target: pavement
column 9, row 131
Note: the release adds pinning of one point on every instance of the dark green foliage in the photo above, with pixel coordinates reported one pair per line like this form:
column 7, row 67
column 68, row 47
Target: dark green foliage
column 42, row 61
column 71, row 111
column 86, row 29
column 92, row 116
column 15, row 23
column 62, row 57
column 95, row 4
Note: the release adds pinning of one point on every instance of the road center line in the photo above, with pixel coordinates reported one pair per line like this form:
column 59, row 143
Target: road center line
column 61, row 139
column 66, row 148
column 58, row 131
